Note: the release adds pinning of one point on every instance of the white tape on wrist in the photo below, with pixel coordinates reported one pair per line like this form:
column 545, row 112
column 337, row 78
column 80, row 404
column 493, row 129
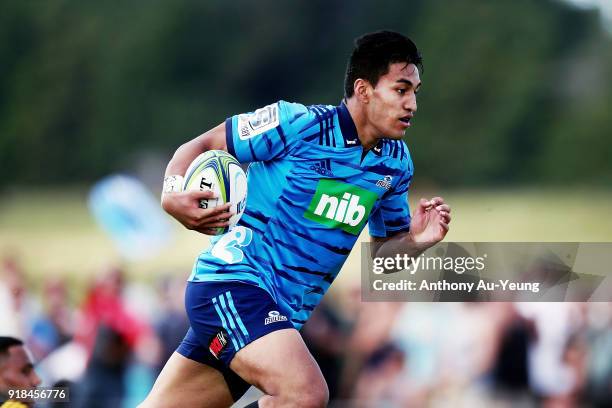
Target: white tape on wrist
column 173, row 184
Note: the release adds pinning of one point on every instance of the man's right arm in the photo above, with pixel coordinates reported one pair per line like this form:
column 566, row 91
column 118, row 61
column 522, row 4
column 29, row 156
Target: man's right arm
column 184, row 206
column 214, row 139
column 266, row 134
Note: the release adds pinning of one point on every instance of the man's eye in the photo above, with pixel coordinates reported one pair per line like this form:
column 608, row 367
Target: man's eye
column 401, row 91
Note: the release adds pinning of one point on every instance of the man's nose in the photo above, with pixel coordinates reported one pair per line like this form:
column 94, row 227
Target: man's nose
column 34, row 379
column 411, row 104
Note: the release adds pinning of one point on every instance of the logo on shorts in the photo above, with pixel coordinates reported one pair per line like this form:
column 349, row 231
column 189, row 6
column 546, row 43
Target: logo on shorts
column 274, row 316
column 217, row 344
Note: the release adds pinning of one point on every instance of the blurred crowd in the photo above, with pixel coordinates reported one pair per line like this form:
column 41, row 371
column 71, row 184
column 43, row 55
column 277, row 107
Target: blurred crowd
column 464, row 354
column 109, row 344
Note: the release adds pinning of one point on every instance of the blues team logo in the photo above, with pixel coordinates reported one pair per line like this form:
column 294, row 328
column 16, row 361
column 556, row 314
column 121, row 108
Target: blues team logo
column 385, row 182
column 274, row 316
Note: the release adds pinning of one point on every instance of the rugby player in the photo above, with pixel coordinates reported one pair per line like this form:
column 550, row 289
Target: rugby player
column 318, row 174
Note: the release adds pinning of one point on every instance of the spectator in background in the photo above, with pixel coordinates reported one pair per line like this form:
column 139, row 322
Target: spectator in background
column 598, row 387
column 380, row 382
column 16, row 368
column 510, row 373
column 54, row 327
column 325, row 335
column 370, row 332
column 111, row 334
column 103, row 384
column 450, row 348
column 104, row 306
column 552, row 376
column 172, row 323
column 15, row 305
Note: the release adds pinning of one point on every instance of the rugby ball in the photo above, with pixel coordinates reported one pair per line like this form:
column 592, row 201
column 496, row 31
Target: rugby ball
column 219, row 172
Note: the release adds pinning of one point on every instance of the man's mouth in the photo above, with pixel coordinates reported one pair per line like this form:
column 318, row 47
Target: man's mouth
column 406, row 120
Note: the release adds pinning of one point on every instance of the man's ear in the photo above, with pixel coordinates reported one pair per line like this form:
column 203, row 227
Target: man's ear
column 363, row 90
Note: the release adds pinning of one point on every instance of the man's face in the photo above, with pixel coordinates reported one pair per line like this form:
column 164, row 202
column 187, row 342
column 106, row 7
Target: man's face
column 16, row 370
column 392, row 101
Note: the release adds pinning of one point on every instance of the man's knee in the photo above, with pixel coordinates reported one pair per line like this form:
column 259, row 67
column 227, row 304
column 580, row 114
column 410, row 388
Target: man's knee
column 310, row 394
column 290, row 376
column 317, row 395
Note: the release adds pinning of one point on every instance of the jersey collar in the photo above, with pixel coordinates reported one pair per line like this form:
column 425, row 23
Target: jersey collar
column 349, row 130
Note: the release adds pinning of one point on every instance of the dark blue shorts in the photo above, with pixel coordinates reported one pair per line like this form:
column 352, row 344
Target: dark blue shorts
column 224, row 318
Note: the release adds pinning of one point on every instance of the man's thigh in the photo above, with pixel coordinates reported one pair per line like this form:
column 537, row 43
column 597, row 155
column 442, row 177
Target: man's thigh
column 279, row 363
column 224, row 319
column 187, row 383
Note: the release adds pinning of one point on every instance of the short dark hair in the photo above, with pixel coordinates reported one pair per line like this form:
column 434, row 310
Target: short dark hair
column 8, row 342
column 5, row 344
column 374, row 52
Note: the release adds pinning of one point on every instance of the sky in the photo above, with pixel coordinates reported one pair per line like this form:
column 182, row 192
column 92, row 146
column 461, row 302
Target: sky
column 605, row 7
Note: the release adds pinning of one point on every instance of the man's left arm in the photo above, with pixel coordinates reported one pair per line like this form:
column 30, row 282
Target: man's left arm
column 429, row 225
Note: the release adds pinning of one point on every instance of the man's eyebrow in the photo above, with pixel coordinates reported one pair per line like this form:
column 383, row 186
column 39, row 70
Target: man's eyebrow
column 408, row 82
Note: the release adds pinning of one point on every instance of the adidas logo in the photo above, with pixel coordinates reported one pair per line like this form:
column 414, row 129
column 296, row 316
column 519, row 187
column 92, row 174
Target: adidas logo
column 346, row 210
column 321, row 170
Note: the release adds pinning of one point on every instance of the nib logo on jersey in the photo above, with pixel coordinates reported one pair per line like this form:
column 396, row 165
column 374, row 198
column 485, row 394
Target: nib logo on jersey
column 341, row 205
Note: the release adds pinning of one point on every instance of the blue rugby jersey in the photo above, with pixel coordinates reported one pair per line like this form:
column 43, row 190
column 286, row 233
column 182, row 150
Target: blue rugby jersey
column 310, row 194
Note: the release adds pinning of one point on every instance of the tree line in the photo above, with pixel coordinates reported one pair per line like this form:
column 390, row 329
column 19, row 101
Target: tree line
column 514, row 92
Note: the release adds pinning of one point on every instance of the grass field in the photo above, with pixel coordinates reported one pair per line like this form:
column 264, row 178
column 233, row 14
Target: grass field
column 53, row 233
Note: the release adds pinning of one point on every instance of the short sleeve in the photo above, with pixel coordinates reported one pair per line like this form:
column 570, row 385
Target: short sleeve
column 393, row 214
column 265, row 134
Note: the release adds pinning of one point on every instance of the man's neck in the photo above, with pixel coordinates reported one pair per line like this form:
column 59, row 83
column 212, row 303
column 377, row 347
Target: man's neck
column 365, row 132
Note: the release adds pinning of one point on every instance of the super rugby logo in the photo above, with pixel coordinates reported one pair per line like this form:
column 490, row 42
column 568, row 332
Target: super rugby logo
column 274, row 316
column 258, row 122
column 341, row 205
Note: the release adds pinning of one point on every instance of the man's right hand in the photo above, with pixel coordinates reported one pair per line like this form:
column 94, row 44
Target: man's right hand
column 185, row 207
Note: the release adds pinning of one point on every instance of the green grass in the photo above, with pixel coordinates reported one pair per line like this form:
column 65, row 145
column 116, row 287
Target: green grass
column 53, row 233
column 531, row 215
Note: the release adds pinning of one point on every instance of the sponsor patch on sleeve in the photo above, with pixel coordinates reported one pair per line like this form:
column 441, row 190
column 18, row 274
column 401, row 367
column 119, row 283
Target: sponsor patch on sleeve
column 258, row 122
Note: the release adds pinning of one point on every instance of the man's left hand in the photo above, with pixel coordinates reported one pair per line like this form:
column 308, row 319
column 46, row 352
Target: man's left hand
column 430, row 222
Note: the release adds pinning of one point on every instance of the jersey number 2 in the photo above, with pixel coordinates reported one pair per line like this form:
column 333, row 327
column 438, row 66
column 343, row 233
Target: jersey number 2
column 226, row 248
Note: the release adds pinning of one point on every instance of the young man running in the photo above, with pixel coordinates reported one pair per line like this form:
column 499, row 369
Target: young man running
column 318, row 174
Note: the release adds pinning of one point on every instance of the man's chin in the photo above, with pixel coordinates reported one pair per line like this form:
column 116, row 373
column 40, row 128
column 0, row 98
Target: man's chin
column 397, row 135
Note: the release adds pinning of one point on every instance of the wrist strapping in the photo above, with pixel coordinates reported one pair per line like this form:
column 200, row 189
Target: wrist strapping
column 173, row 184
